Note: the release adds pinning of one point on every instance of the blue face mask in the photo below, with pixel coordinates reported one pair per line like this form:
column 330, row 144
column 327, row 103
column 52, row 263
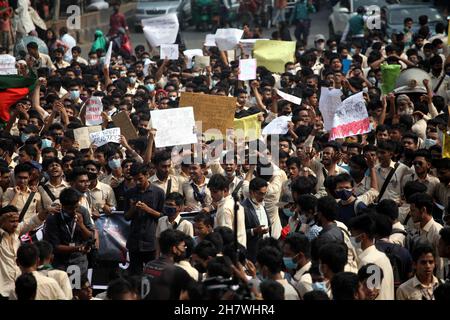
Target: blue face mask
column 320, row 286
column 114, row 163
column 75, row 94
column 344, row 194
column 288, row 212
column 24, row 137
column 150, row 86
column 289, row 263
column 429, row 143
column 46, row 143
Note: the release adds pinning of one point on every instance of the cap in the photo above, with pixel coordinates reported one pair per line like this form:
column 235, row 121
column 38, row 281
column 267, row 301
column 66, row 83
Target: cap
column 319, row 37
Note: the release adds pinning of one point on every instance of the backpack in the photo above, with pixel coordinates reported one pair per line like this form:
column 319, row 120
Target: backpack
column 395, row 263
column 351, row 254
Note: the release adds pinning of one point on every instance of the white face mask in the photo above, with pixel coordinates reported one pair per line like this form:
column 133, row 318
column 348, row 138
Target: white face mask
column 408, row 111
column 440, row 51
column 292, row 71
column 93, row 62
column 356, row 245
column 320, row 46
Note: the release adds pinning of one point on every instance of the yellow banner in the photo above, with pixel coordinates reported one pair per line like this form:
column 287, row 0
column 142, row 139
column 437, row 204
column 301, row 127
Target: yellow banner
column 446, row 146
column 274, row 54
column 248, row 128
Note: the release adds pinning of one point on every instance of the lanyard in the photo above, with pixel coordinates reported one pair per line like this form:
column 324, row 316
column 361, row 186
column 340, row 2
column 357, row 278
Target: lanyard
column 68, row 230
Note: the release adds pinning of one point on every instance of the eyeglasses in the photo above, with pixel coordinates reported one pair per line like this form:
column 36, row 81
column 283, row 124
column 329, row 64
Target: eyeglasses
column 418, row 163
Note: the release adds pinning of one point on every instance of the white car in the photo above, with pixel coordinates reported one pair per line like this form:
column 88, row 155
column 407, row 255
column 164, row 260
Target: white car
column 344, row 10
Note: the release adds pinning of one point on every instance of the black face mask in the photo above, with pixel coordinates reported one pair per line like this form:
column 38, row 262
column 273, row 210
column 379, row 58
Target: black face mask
column 92, row 176
column 284, row 83
column 200, row 268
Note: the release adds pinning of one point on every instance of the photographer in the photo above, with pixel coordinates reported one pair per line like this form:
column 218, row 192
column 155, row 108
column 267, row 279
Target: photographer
column 70, row 232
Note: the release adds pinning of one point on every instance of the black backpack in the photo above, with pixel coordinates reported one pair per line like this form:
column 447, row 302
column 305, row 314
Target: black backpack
column 395, row 263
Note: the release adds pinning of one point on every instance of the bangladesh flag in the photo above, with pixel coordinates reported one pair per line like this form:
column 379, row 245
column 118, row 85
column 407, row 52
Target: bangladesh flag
column 12, row 89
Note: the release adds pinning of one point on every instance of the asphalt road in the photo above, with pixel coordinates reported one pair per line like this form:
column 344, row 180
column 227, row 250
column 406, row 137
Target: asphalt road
column 194, row 39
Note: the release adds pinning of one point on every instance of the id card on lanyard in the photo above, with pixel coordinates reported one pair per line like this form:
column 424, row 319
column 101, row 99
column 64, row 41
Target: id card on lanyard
column 70, row 232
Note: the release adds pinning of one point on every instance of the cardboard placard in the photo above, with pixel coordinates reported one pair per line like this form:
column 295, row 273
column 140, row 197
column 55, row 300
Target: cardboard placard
column 122, row 120
column 81, row 136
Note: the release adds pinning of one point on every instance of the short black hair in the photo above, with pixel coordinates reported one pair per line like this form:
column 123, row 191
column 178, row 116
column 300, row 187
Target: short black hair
column 8, row 209
column 69, row 197
column 344, row 286
column 26, row 287
column 32, row 45
column 138, row 168
column 424, row 153
column 389, row 208
column 328, row 207
column 271, row 290
column 161, row 156
column 304, row 185
column 118, row 287
column 343, row 177
column 27, row 255
column 364, row 223
column 216, row 239
column 45, row 249
column 307, row 202
column 412, row 187
column 422, row 200
column 387, row 146
column 445, row 235
column 220, row 266
column 315, row 295
column 299, row 243
column 169, row 238
column 176, row 197
column 334, row 255
column 271, row 258
column 257, row 183
column 22, row 167
column 206, row 219
column 218, row 182
column 48, row 162
column 294, row 160
column 205, row 249
column 420, row 250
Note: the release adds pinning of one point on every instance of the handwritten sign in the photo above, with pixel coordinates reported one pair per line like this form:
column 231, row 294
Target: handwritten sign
column 81, row 136
column 227, row 39
column 169, row 51
column 289, row 97
column 329, row 101
column 351, row 118
column 247, row 69
column 7, row 64
column 212, row 113
column 103, row 137
column 174, row 127
column 277, row 126
column 94, row 109
column 161, row 29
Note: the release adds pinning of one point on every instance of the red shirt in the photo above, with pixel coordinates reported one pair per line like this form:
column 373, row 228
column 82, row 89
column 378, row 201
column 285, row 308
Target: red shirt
column 117, row 21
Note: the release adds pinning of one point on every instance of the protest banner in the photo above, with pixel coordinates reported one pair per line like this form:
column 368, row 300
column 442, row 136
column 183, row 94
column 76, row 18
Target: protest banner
column 94, row 109
column 350, row 118
column 174, row 127
column 210, row 40
column 191, row 53
column 108, row 54
column 289, row 97
column 247, row 128
column 277, row 126
column 329, row 101
column 169, row 51
column 214, row 112
column 161, row 29
column 103, row 137
column 227, row 39
column 274, row 54
column 248, row 45
column 389, row 74
column 81, row 136
column 122, row 121
column 7, row 64
column 202, row 61
column 446, row 139
column 247, row 69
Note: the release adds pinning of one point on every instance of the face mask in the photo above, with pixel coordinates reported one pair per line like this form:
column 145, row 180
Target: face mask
column 289, row 263
column 46, row 143
column 440, row 134
column 173, row 98
column 123, row 73
column 292, row 71
column 372, row 80
column 114, row 163
column 92, row 176
column 429, row 143
column 301, row 52
column 356, row 245
column 77, row 72
column 320, row 286
column 170, row 211
column 150, row 86
column 352, row 51
column 288, row 212
column 113, row 79
column 24, row 137
column 195, row 74
column 75, row 94
column 408, row 111
column 215, row 82
column 133, row 80
column 127, row 65
column 93, row 62
column 320, row 46
column 365, row 89
column 344, row 194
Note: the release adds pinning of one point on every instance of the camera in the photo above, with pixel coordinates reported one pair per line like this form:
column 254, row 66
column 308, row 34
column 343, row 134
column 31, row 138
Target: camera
column 216, row 288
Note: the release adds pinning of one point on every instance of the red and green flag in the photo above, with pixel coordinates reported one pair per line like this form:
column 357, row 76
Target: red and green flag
column 12, row 89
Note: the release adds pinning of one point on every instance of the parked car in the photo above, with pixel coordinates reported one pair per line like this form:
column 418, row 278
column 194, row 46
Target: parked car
column 151, row 8
column 344, row 10
column 396, row 13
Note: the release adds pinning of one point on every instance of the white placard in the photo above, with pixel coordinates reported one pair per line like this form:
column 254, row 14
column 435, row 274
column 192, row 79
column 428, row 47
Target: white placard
column 7, row 64
column 247, row 69
column 202, row 61
column 289, row 97
column 248, row 45
column 210, row 40
column 330, row 100
column 108, row 54
column 174, row 127
column 161, row 29
column 103, row 137
column 169, row 51
column 277, row 126
column 189, row 54
column 94, row 109
column 227, row 39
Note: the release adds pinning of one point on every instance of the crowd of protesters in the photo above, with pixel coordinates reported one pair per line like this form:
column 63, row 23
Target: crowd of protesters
column 318, row 220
